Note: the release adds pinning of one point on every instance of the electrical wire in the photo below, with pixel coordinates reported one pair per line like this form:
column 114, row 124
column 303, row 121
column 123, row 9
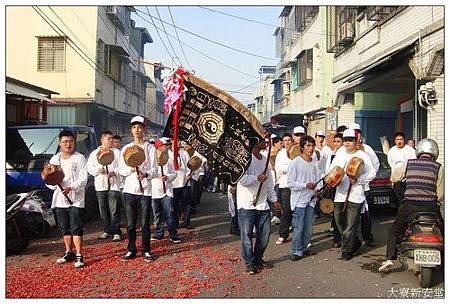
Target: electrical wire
column 212, row 41
column 178, row 37
column 157, row 32
column 167, row 36
column 197, row 51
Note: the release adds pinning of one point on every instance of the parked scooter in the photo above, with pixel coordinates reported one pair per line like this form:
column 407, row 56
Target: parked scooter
column 422, row 248
column 38, row 216
column 17, row 235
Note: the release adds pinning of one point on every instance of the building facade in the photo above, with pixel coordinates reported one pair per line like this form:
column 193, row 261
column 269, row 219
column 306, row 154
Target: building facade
column 389, row 70
column 86, row 54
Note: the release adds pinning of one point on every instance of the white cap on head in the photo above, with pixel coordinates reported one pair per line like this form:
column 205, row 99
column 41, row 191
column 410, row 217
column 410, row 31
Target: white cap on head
column 299, row 130
column 273, row 136
column 349, row 133
column 320, row 133
column 138, row 119
column 354, row 126
column 165, row 140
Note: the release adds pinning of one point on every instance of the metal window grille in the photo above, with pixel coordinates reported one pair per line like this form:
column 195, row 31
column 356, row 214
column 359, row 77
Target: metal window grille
column 51, row 53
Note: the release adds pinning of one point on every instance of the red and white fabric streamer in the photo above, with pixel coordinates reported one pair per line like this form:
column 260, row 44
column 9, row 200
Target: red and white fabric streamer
column 174, row 88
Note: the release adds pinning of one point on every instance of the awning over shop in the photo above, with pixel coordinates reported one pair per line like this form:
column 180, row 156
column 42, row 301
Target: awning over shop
column 15, row 87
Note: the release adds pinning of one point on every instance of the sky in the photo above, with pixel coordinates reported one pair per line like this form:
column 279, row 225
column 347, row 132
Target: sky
column 250, row 37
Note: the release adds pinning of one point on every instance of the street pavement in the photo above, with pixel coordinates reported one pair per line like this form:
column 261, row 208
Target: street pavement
column 208, row 265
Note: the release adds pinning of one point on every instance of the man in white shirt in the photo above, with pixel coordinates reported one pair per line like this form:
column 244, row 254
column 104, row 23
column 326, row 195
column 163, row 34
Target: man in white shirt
column 137, row 202
column 349, row 198
column 282, row 162
column 401, row 152
column 181, row 192
column 298, row 133
column 109, row 197
column 301, row 178
column 162, row 201
column 69, row 213
column 258, row 216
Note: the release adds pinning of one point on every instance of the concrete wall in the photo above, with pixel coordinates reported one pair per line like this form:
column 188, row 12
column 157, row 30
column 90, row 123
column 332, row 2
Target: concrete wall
column 376, row 101
column 346, row 114
column 436, row 125
column 24, row 25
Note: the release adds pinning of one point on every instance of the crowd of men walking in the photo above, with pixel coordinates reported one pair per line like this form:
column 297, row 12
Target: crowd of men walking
column 291, row 192
column 288, row 191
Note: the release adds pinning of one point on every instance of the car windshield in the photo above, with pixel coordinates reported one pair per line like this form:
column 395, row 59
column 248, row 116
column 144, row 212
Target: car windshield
column 30, row 148
column 383, row 160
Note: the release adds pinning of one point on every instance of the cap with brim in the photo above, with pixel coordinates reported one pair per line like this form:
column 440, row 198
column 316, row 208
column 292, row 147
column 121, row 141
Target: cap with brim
column 299, row 130
column 354, row 126
column 138, row 119
column 349, row 133
column 320, row 133
column 272, row 136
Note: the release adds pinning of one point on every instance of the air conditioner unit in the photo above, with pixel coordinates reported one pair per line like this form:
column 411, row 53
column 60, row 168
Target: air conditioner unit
column 111, row 10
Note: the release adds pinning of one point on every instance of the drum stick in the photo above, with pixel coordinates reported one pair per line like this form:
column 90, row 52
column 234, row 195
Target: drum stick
column 107, row 177
column 264, row 172
column 164, row 183
column 67, row 197
column 140, row 183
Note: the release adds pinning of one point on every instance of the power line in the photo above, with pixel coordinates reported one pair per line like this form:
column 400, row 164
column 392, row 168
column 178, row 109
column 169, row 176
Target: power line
column 178, row 37
column 246, row 87
column 73, row 45
column 157, row 32
column 195, row 50
column 213, row 41
column 167, row 36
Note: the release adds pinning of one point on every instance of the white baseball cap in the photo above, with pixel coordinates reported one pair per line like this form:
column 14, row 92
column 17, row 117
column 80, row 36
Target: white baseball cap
column 349, row 133
column 138, row 119
column 354, row 126
column 320, row 133
column 273, row 136
column 299, row 130
column 165, row 140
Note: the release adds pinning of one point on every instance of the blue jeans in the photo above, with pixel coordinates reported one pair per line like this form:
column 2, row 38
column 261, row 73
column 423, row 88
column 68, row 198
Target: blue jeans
column 347, row 223
column 182, row 203
column 69, row 220
column 302, row 222
column 164, row 211
column 135, row 204
column 247, row 220
column 109, row 206
column 195, row 193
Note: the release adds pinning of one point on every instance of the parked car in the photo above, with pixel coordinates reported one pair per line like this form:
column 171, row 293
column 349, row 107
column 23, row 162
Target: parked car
column 381, row 193
column 29, row 148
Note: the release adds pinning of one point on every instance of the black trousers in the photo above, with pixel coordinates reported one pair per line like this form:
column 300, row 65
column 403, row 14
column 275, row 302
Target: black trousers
column 397, row 230
column 286, row 212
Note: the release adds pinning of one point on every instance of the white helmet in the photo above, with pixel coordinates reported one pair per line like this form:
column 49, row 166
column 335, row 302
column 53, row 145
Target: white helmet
column 427, row 145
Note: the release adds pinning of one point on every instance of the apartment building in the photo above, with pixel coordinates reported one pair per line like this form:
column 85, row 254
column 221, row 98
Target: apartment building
column 87, row 54
column 389, row 70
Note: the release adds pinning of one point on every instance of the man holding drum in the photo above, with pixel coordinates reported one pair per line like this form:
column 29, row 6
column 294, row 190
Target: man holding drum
column 68, row 198
column 302, row 176
column 136, row 164
column 350, row 196
column 103, row 164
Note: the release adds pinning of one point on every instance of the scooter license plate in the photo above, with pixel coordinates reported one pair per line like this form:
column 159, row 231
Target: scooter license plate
column 427, row 257
column 49, row 218
column 381, row 200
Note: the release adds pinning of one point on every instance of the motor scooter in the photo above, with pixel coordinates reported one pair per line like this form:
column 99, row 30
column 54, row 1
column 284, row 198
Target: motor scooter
column 422, row 248
column 39, row 216
column 17, row 234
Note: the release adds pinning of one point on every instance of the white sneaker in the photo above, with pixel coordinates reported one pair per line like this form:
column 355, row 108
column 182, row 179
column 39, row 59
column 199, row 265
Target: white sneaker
column 386, row 266
column 309, row 245
column 117, row 238
column 104, row 235
column 80, row 262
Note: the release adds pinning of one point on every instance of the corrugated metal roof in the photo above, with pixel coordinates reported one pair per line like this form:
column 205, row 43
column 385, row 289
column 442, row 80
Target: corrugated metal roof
column 22, row 91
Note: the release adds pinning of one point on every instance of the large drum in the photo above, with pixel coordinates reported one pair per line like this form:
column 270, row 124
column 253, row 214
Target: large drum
column 334, row 177
column 294, row 151
column 326, row 206
column 105, row 156
column 162, row 156
column 52, row 174
column 194, row 163
column 354, row 167
column 134, row 156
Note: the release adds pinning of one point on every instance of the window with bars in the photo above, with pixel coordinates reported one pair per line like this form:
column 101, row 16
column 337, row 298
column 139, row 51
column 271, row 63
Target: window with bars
column 51, row 54
column 305, row 66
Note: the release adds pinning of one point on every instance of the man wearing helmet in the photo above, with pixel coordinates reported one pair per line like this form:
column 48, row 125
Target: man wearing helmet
column 424, row 179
